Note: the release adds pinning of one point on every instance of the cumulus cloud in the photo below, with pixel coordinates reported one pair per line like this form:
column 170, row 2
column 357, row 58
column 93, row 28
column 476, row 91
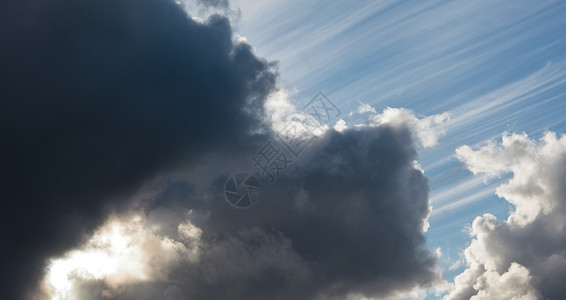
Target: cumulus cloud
column 122, row 252
column 280, row 113
column 346, row 220
column 426, row 130
column 132, row 108
column 126, row 252
column 522, row 257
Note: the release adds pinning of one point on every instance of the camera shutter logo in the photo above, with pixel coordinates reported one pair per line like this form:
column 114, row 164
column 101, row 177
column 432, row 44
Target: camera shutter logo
column 242, row 190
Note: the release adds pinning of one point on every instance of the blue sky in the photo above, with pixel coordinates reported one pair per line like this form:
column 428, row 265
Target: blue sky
column 495, row 66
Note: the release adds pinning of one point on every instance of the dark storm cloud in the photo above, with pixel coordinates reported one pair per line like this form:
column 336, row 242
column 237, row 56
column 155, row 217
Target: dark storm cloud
column 99, row 97
column 346, row 220
column 354, row 208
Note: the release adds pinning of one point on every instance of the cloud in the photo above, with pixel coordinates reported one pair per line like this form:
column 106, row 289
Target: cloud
column 122, row 252
column 523, row 256
column 125, row 252
column 121, row 108
column 100, row 97
column 280, row 112
column 214, row 3
column 426, row 130
column 347, row 219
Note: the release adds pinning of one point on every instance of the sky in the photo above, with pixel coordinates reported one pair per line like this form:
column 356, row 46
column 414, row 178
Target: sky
column 495, row 66
column 436, row 173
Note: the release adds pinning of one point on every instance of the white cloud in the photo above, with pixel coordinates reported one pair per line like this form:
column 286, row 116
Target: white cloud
column 364, row 108
column 427, row 130
column 535, row 167
column 241, row 39
column 513, row 284
column 340, row 125
column 281, row 114
column 121, row 252
column 521, row 257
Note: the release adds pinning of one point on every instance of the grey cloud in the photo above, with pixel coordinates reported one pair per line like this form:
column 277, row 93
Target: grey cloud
column 99, row 97
column 361, row 234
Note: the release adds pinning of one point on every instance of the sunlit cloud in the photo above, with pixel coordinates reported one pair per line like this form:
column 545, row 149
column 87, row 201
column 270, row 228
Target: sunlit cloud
column 121, row 252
